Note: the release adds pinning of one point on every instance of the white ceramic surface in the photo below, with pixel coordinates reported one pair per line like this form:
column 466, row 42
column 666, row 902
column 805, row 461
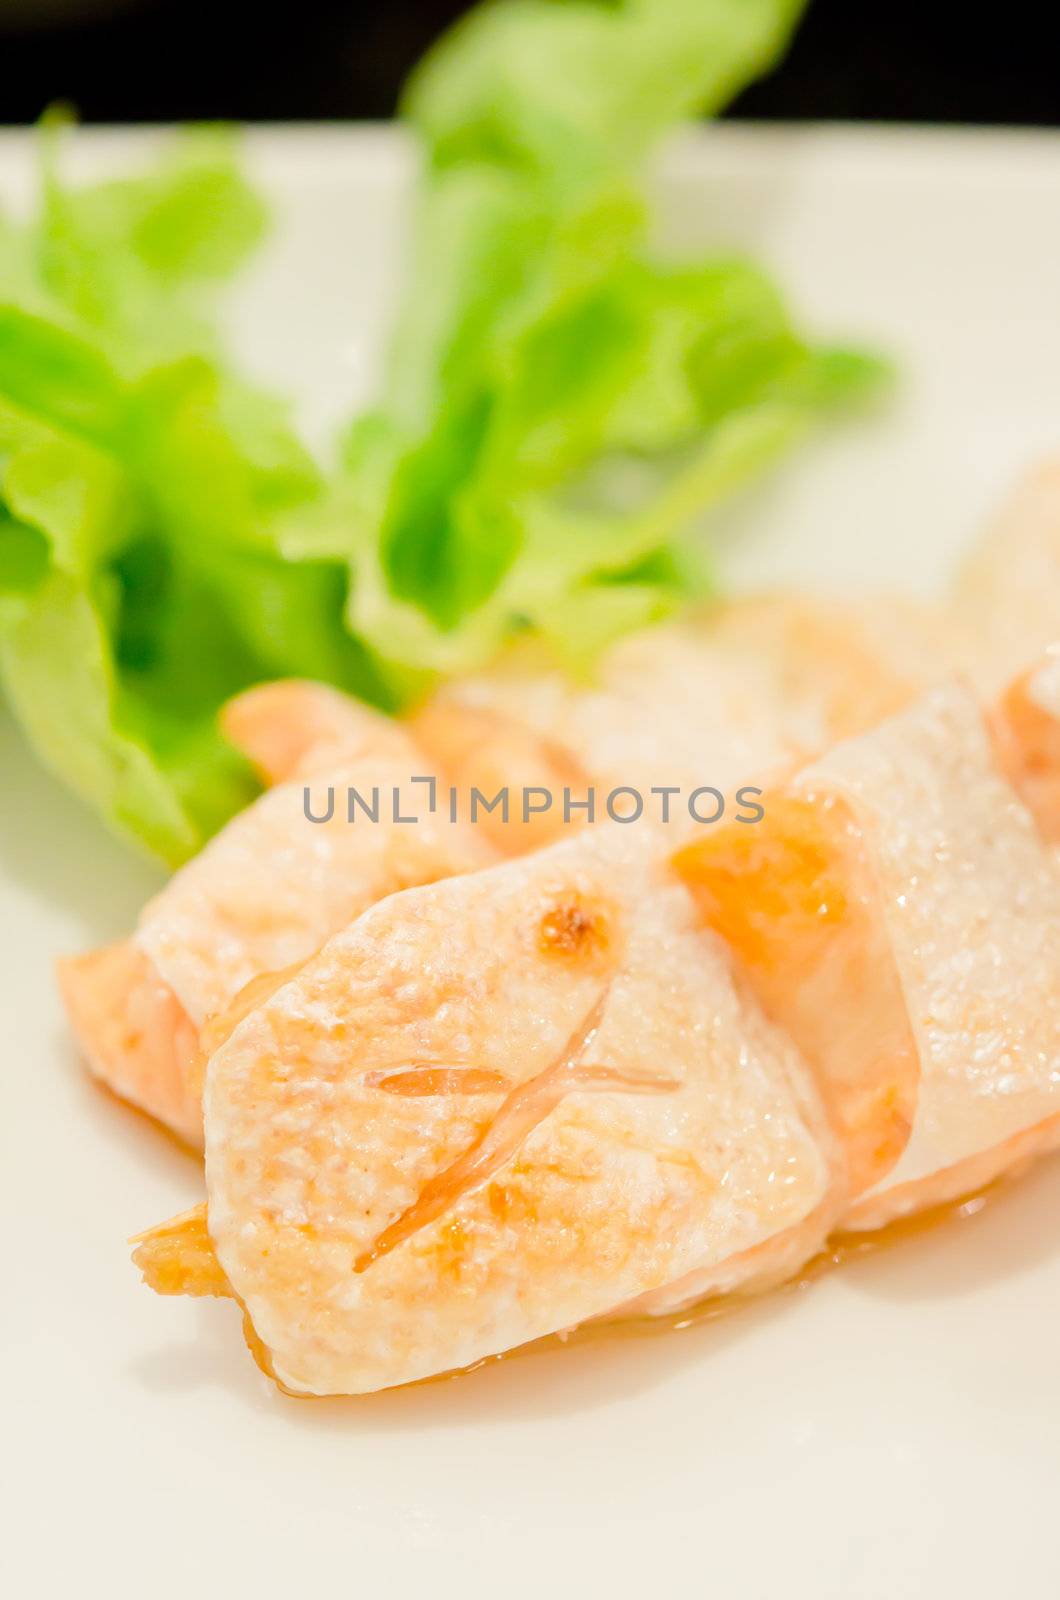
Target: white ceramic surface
column 892, row 1430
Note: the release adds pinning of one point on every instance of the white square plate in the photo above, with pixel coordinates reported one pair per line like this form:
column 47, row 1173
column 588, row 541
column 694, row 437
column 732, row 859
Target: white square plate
column 893, row 1429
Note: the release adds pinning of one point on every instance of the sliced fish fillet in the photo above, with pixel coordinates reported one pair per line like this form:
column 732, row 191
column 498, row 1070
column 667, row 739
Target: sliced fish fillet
column 261, row 897
column 753, row 688
column 962, row 900
column 759, row 687
column 500, row 1105
column 796, row 900
column 1006, row 601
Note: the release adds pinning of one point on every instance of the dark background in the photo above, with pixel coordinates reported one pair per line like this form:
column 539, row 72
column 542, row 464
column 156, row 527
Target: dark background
column 134, row 60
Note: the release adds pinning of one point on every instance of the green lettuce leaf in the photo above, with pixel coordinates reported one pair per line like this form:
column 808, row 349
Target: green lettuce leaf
column 570, row 92
column 545, row 357
column 142, row 485
column 531, row 309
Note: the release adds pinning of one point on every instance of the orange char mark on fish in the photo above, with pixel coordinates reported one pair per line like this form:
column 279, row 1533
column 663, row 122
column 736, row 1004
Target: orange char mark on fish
column 575, row 930
column 427, row 1078
column 1026, row 729
column 525, row 1108
column 795, row 899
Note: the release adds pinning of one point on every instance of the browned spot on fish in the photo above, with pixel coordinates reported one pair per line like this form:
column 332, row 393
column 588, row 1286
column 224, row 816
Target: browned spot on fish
column 525, row 1108
column 510, row 1202
column 454, row 1243
column 573, row 928
column 427, row 1080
